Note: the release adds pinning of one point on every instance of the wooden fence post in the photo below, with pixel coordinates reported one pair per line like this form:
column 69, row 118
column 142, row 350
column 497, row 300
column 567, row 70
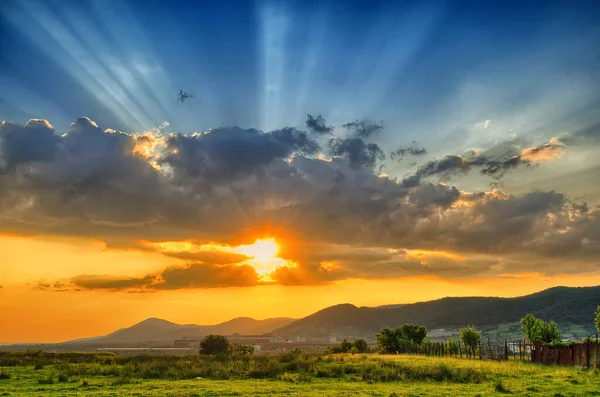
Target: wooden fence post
column 587, row 353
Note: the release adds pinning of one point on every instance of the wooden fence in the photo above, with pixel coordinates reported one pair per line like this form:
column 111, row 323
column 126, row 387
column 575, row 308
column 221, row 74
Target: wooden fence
column 585, row 354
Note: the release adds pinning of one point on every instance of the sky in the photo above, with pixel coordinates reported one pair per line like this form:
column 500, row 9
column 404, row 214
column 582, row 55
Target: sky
column 323, row 152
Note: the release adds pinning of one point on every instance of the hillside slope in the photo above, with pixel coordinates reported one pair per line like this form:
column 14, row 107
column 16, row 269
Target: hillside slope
column 567, row 306
column 155, row 331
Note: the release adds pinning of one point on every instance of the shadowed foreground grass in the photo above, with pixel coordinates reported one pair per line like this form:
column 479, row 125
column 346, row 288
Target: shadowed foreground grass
column 43, row 374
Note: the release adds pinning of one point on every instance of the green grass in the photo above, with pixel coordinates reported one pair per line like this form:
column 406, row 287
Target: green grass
column 341, row 375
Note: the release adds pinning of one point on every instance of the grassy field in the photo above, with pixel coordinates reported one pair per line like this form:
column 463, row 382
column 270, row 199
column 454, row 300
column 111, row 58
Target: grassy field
column 290, row 375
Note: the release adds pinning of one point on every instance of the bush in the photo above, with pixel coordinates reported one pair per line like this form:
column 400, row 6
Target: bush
column 214, row 344
column 4, row 375
column 63, row 378
column 597, row 319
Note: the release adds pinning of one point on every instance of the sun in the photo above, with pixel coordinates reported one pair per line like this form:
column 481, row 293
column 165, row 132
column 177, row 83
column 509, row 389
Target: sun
column 261, row 251
column 262, row 256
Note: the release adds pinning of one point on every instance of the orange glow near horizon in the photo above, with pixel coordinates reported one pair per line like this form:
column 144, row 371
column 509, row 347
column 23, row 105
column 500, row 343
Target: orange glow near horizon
column 28, row 314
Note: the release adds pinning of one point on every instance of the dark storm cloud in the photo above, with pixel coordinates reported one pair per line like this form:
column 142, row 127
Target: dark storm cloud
column 363, row 128
column 360, row 153
column 224, row 154
column 35, row 141
column 318, row 125
column 197, row 275
column 220, row 186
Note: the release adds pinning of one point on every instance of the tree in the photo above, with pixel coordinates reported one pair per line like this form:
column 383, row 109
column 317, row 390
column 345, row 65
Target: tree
column 361, row 345
column 387, row 340
column 470, row 337
column 413, row 332
column 531, row 327
column 214, row 344
column 550, row 333
column 393, row 341
column 236, row 349
column 536, row 329
column 345, row 346
column 597, row 319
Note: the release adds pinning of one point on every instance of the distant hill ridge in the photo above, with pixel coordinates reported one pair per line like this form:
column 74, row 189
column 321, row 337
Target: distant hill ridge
column 569, row 307
column 156, row 331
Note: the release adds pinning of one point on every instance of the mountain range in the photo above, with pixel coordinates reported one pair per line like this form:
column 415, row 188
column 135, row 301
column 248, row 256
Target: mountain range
column 572, row 308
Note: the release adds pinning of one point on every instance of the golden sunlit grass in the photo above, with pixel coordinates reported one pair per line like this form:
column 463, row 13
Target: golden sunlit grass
column 286, row 374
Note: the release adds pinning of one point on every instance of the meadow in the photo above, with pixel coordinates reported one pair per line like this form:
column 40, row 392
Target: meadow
column 89, row 374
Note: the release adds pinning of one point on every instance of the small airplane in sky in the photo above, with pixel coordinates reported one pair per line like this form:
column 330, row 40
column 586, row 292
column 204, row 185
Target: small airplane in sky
column 184, row 96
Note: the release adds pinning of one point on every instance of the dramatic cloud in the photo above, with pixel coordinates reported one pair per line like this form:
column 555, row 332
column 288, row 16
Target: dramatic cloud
column 358, row 151
column 225, row 154
column 196, row 275
column 337, row 217
column 318, row 125
column 492, row 164
column 363, row 128
column 550, row 151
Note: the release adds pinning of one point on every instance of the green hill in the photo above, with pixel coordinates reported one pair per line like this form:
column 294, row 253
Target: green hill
column 571, row 308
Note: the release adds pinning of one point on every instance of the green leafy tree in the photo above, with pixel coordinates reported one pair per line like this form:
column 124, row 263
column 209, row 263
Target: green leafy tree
column 453, row 347
column 597, row 319
column 414, row 333
column 531, row 327
column 361, row 345
column 214, row 344
column 470, row 337
column 393, row 341
column 550, row 333
column 536, row 329
column 387, row 340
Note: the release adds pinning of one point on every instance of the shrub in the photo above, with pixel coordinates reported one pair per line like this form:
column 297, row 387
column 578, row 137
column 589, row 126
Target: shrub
column 214, row 344
column 4, row 375
column 597, row 319
column 236, row 350
column 63, row 378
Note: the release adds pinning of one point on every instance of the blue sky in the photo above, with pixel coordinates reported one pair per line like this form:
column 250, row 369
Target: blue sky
column 424, row 68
